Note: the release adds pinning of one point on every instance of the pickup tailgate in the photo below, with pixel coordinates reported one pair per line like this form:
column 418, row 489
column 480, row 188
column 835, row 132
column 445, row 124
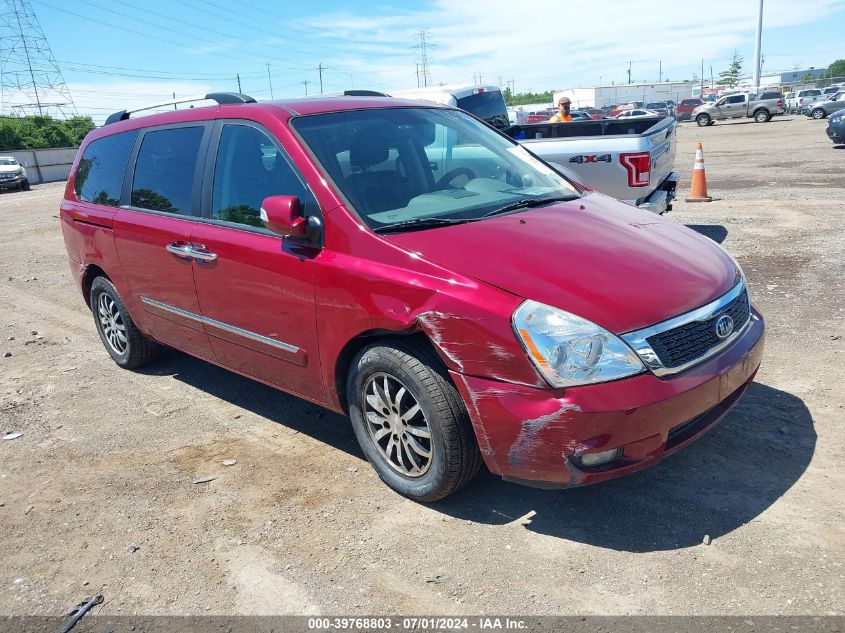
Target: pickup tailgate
column 613, row 164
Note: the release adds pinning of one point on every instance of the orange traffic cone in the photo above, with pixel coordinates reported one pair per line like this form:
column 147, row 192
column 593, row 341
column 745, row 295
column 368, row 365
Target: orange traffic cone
column 698, row 191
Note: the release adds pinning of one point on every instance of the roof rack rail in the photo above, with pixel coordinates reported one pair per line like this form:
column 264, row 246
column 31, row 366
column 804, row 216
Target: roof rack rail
column 363, row 93
column 222, row 98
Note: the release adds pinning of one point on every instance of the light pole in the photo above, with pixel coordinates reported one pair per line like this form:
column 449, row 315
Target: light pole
column 755, row 77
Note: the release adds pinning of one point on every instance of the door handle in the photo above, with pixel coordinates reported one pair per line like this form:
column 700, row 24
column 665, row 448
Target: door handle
column 197, row 251
column 180, row 249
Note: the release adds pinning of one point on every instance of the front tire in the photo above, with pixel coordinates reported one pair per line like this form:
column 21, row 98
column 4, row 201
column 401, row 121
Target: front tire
column 703, row 120
column 25, row 184
column 410, row 420
column 124, row 342
column 818, row 113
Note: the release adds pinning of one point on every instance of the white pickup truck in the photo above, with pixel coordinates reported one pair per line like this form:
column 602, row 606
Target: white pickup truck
column 631, row 160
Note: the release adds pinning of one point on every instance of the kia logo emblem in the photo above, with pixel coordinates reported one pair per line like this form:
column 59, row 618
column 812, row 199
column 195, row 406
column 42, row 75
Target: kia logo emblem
column 724, row 326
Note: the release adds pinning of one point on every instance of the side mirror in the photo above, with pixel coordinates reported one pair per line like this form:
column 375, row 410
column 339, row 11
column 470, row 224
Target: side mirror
column 283, row 215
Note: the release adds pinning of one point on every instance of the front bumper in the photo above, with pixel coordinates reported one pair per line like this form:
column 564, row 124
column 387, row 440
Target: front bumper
column 535, row 436
column 660, row 200
column 837, row 135
column 8, row 183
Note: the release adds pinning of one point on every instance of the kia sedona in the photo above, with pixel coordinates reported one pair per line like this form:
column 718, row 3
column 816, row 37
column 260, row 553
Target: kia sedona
column 461, row 307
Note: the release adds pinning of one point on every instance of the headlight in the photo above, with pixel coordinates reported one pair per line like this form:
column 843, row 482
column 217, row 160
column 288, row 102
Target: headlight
column 568, row 350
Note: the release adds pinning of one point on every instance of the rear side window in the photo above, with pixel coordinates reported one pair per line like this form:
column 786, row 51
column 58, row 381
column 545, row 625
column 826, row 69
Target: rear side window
column 164, row 171
column 736, row 99
column 250, row 168
column 99, row 177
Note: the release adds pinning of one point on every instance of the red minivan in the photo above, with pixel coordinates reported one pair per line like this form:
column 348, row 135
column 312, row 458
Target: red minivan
column 406, row 264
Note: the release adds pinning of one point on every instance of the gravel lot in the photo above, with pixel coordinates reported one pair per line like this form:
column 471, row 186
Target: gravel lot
column 97, row 495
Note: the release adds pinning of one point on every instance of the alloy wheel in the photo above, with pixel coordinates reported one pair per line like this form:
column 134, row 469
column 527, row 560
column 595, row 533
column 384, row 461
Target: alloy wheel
column 111, row 322
column 397, row 425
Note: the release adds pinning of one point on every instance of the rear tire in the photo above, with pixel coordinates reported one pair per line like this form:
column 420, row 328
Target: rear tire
column 410, row 420
column 818, row 113
column 762, row 116
column 703, row 120
column 124, row 342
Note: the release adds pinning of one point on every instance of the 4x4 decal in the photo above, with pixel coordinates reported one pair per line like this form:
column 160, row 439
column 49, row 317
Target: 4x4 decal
column 600, row 158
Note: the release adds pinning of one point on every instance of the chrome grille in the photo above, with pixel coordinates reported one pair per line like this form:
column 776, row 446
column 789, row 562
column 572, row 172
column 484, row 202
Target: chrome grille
column 687, row 342
column 674, row 345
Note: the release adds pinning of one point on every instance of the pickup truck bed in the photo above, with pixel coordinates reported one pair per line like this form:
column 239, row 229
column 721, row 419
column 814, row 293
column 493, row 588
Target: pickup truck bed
column 630, row 160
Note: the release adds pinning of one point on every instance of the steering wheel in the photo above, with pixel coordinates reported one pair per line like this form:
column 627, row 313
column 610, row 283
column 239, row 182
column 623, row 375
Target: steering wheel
column 451, row 175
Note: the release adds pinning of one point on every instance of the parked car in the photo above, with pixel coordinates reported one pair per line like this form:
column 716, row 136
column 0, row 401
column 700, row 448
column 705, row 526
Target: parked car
column 821, row 109
column 12, row 174
column 595, row 113
column 660, row 107
column 685, row 108
column 736, row 106
column 790, row 102
column 831, row 90
column 415, row 297
column 836, row 127
column 804, row 99
column 633, row 114
column 580, row 115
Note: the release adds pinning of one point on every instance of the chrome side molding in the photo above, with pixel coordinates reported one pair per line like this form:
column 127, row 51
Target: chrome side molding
column 232, row 329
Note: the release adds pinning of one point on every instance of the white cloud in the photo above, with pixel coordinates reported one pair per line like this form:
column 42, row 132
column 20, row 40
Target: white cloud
column 548, row 44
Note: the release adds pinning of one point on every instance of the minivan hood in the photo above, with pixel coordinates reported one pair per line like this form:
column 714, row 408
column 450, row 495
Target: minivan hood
column 606, row 261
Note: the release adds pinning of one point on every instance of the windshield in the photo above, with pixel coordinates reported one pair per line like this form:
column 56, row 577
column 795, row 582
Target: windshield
column 8, row 161
column 655, row 106
column 417, row 164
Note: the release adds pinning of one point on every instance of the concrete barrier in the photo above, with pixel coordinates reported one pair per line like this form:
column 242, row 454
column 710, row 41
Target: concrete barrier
column 45, row 165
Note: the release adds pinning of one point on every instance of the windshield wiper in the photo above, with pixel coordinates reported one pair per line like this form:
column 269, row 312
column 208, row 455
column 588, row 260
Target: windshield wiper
column 419, row 223
column 527, row 203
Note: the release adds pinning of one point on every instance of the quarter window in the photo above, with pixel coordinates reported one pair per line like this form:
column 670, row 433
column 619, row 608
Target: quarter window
column 99, row 176
column 249, row 168
column 164, row 171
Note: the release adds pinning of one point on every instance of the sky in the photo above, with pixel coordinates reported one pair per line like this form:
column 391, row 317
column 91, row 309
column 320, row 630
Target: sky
column 115, row 55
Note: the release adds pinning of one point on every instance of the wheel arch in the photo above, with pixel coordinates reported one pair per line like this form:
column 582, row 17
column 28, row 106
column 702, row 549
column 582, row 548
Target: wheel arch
column 360, row 341
column 92, row 271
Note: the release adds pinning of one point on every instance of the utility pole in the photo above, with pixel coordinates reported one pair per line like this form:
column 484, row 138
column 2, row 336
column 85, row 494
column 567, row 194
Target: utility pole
column 174, row 98
column 702, row 76
column 629, row 71
column 755, row 77
column 320, row 69
column 305, row 83
column 711, row 77
column 660, row 77
column 238, row 76
column 513, row 85
column 269, row 79
column 418, row 74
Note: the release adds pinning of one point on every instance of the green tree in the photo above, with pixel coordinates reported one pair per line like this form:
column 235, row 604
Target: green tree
column 837, row 69
column 36, row 132
column 730, row 77
column 522, row 98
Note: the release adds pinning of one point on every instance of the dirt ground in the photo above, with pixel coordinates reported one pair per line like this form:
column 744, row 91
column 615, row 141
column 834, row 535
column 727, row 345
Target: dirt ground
column 97, row 495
